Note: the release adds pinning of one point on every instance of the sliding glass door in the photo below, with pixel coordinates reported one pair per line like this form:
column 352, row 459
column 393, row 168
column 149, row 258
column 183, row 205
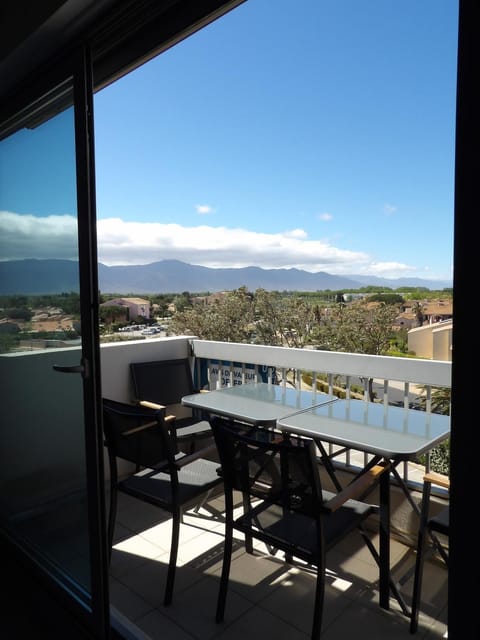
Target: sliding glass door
column 51, row 486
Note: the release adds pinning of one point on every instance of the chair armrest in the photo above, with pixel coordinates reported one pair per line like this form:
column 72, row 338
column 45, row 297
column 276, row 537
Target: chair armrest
column 437, row 478
column 201, row 453
column 150, row 405
column 154, row 405
column 357, row 488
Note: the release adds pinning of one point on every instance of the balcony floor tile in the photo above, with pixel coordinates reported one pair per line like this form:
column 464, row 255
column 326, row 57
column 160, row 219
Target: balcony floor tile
column 266, row 597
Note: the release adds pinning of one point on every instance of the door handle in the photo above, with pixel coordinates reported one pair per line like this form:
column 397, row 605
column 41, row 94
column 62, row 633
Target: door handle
column 75, row 369
column 81, row 368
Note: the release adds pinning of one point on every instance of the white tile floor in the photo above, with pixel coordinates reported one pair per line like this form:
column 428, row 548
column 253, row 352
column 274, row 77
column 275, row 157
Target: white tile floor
column 266, row 598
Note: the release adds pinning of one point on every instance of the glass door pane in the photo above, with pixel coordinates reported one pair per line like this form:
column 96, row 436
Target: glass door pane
column 43, row 483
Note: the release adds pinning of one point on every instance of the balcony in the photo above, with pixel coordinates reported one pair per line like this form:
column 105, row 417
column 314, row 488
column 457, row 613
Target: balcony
column 267, row 598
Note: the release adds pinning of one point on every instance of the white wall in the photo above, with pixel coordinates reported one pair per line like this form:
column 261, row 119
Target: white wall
column 115, row 359
column 42, row 452
column 432, row 341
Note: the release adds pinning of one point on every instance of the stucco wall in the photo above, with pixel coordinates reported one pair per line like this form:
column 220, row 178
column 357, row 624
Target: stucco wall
column 432, row 341
column 42, row 457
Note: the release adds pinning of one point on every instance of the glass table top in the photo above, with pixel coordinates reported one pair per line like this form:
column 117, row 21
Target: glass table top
column 258, row 402
column 393, row 432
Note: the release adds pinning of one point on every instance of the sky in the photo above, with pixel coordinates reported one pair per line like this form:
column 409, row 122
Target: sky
column 320, row 137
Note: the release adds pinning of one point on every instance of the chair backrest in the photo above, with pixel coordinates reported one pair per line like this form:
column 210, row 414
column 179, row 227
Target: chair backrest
column 136, row 434
column 162, row 381
column 264, row 465
column 440, row 521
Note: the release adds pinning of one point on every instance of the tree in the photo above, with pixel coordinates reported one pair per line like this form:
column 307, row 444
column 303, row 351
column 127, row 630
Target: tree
column 388, row 298
column 7, row 342
column 361, row 327
column 18, row 314
column 228, row 319
column 418, row 311
column 266, row 317
column 112, row 313
column 440, row 399
column 182, row 301
column 268, row 324
column 283, row 320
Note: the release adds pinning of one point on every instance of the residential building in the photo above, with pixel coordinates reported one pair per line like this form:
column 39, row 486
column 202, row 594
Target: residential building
column 211, row 299
column 136, row 308
column 432, row 341
column 432, row 310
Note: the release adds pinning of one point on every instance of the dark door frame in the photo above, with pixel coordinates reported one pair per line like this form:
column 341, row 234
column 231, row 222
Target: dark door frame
column 45, row 98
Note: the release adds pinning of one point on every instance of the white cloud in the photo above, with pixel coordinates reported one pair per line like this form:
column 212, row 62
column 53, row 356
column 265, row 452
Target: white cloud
column 134, row 243
column 389, row 209
column 296, row 233
column 129, row 243
column 26, row 236
column 204, row 209
column 325, row 217
column 385, row 269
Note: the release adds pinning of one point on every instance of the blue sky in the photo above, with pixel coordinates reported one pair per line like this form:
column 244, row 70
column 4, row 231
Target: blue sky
column 321, row 137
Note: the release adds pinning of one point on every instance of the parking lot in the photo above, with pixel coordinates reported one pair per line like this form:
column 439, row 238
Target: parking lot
column 142, row 330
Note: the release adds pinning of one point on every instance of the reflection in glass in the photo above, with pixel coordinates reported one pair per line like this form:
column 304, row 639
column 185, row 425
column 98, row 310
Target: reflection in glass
column 42, row 458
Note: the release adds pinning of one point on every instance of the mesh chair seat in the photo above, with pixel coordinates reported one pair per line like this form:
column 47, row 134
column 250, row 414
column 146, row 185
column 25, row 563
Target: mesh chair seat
column 296, row 533
column 156, row 486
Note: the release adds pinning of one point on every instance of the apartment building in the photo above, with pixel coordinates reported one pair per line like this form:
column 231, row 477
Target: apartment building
column 135, row 308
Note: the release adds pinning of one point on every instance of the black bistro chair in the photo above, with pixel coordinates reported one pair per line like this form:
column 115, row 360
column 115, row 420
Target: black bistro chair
column 283, row 502
column 431, row 526
column 163, row 383
column 167, row 479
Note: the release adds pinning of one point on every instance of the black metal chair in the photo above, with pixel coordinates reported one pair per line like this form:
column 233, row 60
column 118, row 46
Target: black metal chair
column 429, row 528
column 163, row 383
column 283, row 502
column 169, row 480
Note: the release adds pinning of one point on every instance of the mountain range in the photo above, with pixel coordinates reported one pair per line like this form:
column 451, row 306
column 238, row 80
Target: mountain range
column 35, row 277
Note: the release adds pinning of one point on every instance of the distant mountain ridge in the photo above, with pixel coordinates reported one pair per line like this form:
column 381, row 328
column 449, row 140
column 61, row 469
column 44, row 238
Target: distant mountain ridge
column 35, row 277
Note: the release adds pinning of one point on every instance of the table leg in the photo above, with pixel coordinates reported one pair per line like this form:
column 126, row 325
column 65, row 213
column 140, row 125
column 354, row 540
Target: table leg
column 384, row 540
column 327, row 463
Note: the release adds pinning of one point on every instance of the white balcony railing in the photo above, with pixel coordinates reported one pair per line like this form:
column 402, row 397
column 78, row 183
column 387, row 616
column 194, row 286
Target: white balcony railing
column 395, row 380
column 339, row 369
